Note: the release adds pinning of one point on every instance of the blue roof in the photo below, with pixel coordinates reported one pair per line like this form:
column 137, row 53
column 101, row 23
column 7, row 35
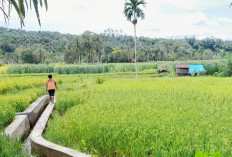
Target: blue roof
column 193, row 68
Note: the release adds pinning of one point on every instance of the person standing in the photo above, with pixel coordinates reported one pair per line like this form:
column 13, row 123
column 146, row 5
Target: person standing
column 51, row 88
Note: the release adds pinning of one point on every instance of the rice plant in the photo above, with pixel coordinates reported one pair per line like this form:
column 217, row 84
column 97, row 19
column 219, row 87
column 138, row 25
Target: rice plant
column 146, row 117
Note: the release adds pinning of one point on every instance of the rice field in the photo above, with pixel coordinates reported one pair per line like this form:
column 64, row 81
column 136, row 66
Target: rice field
column 3, row 69
column 114, row 114
column 176, row 117
column 18, row 91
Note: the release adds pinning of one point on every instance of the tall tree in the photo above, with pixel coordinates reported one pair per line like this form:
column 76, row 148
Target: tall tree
column 21, row 6
column 132, row 12
column 97, row 46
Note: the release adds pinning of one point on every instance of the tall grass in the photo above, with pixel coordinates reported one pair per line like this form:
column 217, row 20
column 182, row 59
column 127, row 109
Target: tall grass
column 211, row 67
column 11, row 148
column 84, row 69
column 22, row 69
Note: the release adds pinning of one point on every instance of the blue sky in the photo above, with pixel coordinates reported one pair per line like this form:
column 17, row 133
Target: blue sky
column 164, row 18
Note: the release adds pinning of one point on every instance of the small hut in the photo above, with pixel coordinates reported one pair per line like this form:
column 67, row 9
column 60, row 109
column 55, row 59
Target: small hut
column 182, row 69
column 162, row 69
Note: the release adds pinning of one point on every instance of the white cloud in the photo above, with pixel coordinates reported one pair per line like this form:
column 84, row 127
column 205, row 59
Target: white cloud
column 225, row 20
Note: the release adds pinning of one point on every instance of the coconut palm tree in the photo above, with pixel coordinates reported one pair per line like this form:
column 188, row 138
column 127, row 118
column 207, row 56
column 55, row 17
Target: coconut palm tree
column 21, row 6
column 132, row 12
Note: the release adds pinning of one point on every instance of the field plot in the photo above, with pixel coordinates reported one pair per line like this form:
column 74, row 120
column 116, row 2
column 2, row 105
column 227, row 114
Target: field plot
column 16, row 94
column 18, row 91
column 145, row 117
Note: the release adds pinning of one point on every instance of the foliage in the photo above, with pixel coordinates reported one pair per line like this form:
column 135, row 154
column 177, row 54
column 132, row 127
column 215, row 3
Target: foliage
column 203, row 154
column 211, row 67
column 100, row 80
column 147, row 117
column 89, row 43
column 20, row 6
column 227, row 71
column 10, row 147
column 108, row 47
column 27, row 55
column 86, row 69
column 3, row 68
column 30, row 69
column 133, row 11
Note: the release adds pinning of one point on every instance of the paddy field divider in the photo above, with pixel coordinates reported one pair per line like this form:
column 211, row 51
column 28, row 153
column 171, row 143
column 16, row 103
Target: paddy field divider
column 34, row 120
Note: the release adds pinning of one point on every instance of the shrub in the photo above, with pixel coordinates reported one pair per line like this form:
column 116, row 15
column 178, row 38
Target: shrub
column 100, row 80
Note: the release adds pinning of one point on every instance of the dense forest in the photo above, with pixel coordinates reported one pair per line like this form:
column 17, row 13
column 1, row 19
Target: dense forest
column 112, row 46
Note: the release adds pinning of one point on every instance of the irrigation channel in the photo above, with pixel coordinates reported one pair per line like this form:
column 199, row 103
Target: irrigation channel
column 31, row 124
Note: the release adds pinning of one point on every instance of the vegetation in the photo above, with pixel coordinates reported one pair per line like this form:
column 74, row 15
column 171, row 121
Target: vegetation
column 23, row 69
column 145, row 117
column 112, row 46
column 216, row 68
column 3, row 68
column 107, row 101
column 18, row 91
column 20, row 6
column 10, row 147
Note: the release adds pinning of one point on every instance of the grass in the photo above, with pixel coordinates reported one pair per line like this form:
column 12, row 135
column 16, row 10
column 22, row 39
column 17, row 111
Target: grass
column 145, row 117
column 113, row 114
column 3, row 68
column 17, row 92
column 11, row 148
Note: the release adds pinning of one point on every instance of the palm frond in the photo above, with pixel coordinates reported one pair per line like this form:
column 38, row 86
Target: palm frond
column 128, row 12
column 41, row 3
column 4, row 13
column 141, row 2
column 21, row 11
column 35, row 2
column 140, row 13
column 46, row 4
column 131, row 8
column 21, row 6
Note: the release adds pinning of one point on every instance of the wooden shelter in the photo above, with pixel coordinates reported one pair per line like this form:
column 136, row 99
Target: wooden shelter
column 182, row 69
column 162, row 69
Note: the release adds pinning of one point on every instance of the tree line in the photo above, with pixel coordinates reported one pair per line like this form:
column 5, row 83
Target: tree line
column 19, row 46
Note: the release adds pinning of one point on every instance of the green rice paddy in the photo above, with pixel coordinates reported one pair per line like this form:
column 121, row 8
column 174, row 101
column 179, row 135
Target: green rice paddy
column 145, row 117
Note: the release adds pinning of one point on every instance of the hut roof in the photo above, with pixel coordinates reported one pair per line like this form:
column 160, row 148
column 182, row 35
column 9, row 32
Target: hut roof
column 193, row 68
column 183, row 66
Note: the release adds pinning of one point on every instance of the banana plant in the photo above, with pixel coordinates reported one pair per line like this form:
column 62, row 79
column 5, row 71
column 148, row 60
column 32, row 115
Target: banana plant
column 21, row 6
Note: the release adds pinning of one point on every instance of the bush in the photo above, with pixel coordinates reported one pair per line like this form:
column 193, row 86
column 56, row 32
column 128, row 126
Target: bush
column 211, row 68
column 100, row 80
column 225, row 73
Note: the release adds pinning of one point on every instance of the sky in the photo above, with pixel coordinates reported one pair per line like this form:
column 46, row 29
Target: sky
column 163, row 18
